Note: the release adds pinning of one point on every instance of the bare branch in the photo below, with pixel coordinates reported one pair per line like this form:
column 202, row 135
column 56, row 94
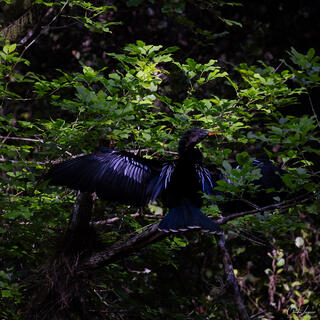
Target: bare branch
column 45, row 28
column 22, row 139
column 23, row 161
column 231, row 279
column 121, row 247
column 134, row 215
column 279, row 206
column 152, row 233
column 313, row 109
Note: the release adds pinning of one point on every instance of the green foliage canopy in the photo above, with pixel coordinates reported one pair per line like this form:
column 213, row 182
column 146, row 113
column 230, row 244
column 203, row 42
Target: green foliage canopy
column 132, row 106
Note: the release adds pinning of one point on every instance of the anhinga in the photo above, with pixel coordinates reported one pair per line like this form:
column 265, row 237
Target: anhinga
column 129, row 179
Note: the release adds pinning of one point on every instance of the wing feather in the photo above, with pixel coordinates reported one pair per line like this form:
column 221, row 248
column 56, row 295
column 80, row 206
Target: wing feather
column 113, row 175
column 163, row 179
column 205, row 179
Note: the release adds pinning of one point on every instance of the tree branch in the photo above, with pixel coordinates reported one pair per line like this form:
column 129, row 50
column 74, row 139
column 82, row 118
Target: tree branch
column 280, row 206
column 20, row 138
column 231, row 279
column 78, row 256
column 41, row 32
column 133, row 215
column 136, row 242
column 313, row 110
column 152, row 234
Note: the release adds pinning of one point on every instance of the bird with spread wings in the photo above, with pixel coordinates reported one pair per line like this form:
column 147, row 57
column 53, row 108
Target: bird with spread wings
column 129, row 179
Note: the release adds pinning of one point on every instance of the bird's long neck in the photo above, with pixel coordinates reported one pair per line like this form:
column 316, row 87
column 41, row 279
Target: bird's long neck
column 186, row 145
column 191, row 155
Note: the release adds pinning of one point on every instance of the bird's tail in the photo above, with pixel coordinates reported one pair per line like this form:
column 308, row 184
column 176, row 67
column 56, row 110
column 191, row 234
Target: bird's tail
column 184, row 217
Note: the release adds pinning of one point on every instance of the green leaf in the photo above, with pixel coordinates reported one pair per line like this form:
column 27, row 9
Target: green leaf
column 280, row 262
column 242, row 158
column 6, row 294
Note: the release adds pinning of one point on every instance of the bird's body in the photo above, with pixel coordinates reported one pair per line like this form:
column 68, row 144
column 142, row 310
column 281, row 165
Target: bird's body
column 184, row 184
column 129, row 179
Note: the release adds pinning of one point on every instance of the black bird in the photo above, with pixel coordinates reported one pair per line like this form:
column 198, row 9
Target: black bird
column 129, row 179
column 270, row 175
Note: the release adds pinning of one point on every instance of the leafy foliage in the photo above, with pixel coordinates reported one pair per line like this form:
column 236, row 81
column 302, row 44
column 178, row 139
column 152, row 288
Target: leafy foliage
column 130, row 104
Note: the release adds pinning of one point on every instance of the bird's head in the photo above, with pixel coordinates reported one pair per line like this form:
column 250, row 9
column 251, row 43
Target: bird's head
column 192, row 137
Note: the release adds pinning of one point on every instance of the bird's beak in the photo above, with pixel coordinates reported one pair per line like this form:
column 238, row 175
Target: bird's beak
column 211, row 133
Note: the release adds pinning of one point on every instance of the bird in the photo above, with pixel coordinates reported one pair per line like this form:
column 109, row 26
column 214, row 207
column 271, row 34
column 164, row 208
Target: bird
column 127, row 178
column 270, row 175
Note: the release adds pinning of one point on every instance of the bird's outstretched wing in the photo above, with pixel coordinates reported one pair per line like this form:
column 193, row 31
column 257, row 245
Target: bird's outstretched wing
column 270, row 174
column 113, row 175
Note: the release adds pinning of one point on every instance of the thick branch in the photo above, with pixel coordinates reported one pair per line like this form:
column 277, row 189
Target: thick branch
column 78, row 236
column 231, row 279
column 82, row 212
column 149, row 236
column 132, row 244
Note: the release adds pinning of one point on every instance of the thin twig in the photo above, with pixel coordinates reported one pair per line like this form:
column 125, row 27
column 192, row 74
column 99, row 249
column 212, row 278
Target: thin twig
column 22, row 139
column 278, row 67
column 65, row 26
column 136, row 151
column 134, row 215
column 280, row 206
column 100, row 297
column 30, row 33
column 20, row 99
column 40, row 33
column 5, row 138
column 241, row 232
column 313, row 110
column 253, row 205
column 24, row 161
